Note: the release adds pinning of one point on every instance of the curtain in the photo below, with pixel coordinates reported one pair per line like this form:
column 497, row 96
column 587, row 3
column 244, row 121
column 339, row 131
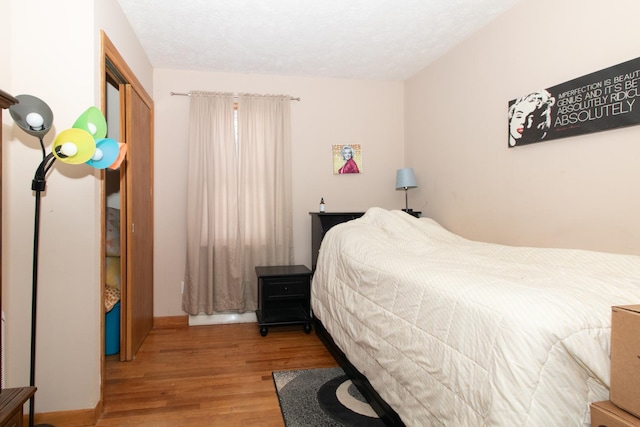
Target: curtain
column 264, row 152
column 238, row 198
column 213, row 230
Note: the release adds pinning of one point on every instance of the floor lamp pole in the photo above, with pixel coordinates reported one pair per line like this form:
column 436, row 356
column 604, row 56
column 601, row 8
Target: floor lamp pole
column 34, row 306
column 38, row 185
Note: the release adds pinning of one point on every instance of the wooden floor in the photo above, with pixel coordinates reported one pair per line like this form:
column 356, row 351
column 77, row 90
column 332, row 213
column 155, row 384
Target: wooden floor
column 216, row 375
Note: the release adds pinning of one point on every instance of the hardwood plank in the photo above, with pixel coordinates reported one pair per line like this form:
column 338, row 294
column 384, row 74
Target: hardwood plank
column 218, row 375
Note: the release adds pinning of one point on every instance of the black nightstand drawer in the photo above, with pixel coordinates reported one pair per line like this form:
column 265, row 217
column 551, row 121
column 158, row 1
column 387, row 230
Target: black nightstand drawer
column 285, row 289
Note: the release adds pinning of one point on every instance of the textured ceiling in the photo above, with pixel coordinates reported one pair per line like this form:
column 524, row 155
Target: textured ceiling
column 363, row 39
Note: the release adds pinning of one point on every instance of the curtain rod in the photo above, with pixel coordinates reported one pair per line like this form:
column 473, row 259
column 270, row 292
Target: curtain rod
column 189, row 94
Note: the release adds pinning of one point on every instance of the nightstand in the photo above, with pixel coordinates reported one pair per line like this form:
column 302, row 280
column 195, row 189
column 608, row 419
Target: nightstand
column 284, row 297
column 412, row 212
column 321, row 222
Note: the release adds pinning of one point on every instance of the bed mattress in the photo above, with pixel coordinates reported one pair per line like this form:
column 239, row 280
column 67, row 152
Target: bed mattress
column 456, row 332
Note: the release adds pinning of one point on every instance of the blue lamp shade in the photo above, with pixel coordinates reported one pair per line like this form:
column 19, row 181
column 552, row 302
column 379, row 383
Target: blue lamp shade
column 107, row 151
column 32, row 115
column 405, row 178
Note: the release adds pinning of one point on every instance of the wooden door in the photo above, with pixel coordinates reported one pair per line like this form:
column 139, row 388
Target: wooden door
column 137, row 293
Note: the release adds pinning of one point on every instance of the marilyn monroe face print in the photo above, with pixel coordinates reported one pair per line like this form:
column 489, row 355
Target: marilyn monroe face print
column 530, row 118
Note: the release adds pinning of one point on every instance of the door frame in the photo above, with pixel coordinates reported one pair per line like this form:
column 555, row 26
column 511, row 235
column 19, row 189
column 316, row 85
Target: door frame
column 114, row 68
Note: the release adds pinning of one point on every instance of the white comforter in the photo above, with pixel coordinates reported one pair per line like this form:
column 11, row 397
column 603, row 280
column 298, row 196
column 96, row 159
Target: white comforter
column 461, row 333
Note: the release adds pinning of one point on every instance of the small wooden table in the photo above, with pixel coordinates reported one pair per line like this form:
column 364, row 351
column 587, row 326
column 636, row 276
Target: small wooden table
column 11, row 402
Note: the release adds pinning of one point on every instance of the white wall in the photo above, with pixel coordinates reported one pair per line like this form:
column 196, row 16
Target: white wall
column 5, row 44
column 579, row 192
column 66, row 348
column 55, row 55
column 332, row 111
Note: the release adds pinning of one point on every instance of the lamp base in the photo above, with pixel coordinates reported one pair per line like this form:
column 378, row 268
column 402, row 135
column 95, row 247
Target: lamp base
column 407, row 210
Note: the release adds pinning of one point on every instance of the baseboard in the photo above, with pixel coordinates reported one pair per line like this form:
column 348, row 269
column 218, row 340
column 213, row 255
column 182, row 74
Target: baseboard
column 76, row 418
column 222, row 318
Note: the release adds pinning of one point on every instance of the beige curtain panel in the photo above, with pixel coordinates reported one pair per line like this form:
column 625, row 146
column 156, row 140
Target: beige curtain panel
column 238, row 198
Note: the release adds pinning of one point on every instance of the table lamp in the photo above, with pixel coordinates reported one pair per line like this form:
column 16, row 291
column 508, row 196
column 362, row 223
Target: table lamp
column 405, row 179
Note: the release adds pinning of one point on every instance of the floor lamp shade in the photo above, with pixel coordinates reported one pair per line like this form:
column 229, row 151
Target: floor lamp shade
column 121, row 155
column 74, row 146
column 92, row 120
column 32, row 115
column 106, row 153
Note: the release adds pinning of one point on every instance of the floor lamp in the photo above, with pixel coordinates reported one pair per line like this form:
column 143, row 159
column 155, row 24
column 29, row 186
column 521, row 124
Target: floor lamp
column 85, row 142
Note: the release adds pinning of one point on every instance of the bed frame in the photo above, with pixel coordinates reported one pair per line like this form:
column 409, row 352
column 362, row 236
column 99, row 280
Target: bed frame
column 387, row 415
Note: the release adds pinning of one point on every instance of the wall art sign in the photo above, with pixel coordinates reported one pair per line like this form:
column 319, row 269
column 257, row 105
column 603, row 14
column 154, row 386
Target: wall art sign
column 602, row 100
column 347, row 158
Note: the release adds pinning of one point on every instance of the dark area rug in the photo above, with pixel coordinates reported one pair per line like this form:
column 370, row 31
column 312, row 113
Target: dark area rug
column 322, row 397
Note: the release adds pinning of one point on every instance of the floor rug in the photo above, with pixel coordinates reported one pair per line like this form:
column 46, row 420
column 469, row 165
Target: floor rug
column 322, row 397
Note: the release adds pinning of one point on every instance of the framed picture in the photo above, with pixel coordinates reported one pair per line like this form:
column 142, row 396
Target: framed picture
column 596, row 102
column 347, row 158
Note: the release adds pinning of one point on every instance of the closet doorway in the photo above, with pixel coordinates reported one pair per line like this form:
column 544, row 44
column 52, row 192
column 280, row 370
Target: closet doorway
column 128, row 197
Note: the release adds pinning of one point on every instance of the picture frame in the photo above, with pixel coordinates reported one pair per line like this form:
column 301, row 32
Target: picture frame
column 600, row 101
column 347, row 159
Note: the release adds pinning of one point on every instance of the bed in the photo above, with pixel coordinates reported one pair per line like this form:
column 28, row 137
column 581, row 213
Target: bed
column 449, row 331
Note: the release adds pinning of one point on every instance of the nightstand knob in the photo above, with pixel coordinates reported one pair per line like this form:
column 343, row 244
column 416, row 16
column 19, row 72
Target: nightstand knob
column 286, row 288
